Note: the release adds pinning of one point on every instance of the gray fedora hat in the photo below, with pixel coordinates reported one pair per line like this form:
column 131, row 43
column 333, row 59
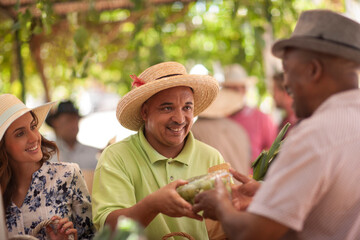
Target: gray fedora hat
column 326, row 32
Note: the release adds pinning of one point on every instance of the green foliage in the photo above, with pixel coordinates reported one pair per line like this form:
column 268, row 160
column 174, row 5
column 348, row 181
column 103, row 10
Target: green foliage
column 263, row 161
column 109, row 46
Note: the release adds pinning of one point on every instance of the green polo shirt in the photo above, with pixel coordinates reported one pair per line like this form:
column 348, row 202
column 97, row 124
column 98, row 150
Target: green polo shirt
column 131, row 169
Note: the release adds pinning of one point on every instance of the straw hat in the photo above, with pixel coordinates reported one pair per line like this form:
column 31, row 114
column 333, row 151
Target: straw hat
column 235, row 75
column 326, row 32
column 160, row 77
column 12, row 108
column 226, row 103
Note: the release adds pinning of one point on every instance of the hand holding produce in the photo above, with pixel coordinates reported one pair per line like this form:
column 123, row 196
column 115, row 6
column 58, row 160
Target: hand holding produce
column 202, row 183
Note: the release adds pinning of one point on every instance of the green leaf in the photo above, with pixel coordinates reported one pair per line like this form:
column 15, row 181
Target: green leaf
column 257, row 170
column 276, row 144
column 81, row 37
column 37, row 30
column 263, row 161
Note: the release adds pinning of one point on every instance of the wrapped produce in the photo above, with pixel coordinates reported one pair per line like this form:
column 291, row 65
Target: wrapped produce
column 201, row 183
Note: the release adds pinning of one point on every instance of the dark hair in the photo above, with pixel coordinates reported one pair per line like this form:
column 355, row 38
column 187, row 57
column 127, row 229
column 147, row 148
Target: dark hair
column 279, row 80
column 7, row 183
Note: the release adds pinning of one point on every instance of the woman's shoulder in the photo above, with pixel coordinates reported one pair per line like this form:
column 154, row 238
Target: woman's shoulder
column 62, row 167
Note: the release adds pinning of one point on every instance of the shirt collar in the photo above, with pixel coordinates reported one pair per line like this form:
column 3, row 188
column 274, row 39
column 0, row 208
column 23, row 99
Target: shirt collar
column 154, row 156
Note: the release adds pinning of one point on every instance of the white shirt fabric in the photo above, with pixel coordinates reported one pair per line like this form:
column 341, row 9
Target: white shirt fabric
column 85, row 156
column 312, row 187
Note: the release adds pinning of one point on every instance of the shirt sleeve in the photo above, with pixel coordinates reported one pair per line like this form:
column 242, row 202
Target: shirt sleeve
column 293, row 185
column 81, row 206
column 112, row 188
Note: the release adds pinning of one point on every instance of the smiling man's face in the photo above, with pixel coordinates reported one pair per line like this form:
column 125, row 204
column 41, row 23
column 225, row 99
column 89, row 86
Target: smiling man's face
column 168, row 117
column 296, row 66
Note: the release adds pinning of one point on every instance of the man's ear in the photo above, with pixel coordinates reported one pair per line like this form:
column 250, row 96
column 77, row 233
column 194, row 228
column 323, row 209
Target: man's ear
column 316, row 69
column 144, row 111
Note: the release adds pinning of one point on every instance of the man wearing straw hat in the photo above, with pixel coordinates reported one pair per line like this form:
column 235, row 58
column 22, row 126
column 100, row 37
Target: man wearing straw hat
column 311, row 190
column 138, row 176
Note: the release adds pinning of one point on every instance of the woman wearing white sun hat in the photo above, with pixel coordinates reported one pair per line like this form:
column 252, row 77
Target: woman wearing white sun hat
column 35, row 190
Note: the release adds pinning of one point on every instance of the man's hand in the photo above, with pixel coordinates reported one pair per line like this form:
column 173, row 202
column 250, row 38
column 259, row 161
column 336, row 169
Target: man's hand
column 243, row 194
column 169, row 202
column 210, row 201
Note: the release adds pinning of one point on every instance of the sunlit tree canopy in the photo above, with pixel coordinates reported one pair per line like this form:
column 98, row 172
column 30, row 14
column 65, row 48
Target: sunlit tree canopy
column 50, row 51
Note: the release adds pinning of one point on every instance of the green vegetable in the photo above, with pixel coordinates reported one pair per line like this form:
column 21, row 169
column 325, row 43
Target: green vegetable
column 202, row 183
column 103, row 234
column 126, row 229
column 263, row 161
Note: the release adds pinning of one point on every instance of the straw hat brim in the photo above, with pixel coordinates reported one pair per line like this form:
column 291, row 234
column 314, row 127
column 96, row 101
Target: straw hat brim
column 317, row 45
column 226, row 103
column 129, row 107
column 40, row 112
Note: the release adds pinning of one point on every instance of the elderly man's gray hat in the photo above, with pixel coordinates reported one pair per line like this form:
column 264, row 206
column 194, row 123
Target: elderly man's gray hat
column 326, row 32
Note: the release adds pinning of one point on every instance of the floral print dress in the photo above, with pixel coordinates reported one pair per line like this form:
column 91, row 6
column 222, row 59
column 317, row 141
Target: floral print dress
column 56, row 189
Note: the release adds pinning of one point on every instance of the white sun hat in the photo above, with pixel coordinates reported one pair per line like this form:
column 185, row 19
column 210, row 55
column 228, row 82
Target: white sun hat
column 11, row 108
column 236, row 75
column 226, row 103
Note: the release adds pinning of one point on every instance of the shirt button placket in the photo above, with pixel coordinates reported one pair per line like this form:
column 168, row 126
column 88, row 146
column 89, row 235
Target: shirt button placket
column 171, row 177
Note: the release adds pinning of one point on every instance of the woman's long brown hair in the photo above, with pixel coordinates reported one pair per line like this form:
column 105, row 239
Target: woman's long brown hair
column 7, row 183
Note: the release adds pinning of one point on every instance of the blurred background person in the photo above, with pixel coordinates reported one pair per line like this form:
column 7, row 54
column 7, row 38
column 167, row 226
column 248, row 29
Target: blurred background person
column 283, row 101
column 229, row 138
column 65, row 122
column 259, row 126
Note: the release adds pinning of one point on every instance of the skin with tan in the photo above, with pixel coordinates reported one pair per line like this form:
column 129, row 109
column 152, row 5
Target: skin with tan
column 66, row 127
column 168, row 119
column 23, row 145
column 311, row 78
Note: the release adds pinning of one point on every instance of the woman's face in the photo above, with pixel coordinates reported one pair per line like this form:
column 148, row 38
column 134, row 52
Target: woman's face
column 23, row 140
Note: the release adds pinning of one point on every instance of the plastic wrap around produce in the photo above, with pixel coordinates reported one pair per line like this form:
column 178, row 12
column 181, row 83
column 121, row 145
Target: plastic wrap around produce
column 201, row 183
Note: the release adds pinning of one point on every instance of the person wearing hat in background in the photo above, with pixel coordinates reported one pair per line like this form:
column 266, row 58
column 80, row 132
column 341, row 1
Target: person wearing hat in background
column 283, row 101
column 138, row 176
column 259, row 126
column 213, row 127
column 33, row 189
column 64, row 119
column 311, row 190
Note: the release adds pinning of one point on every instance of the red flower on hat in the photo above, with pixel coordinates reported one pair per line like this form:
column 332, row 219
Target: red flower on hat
column 137, row 81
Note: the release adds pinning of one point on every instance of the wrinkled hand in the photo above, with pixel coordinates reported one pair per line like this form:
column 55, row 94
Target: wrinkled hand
column 209, row 201
column 243, row 194
column 64, row 228
column 169, row 202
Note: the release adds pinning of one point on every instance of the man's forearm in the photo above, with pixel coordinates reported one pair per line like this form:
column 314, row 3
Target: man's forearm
column 143, row 212
column 228, row 216
column 244, row 225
